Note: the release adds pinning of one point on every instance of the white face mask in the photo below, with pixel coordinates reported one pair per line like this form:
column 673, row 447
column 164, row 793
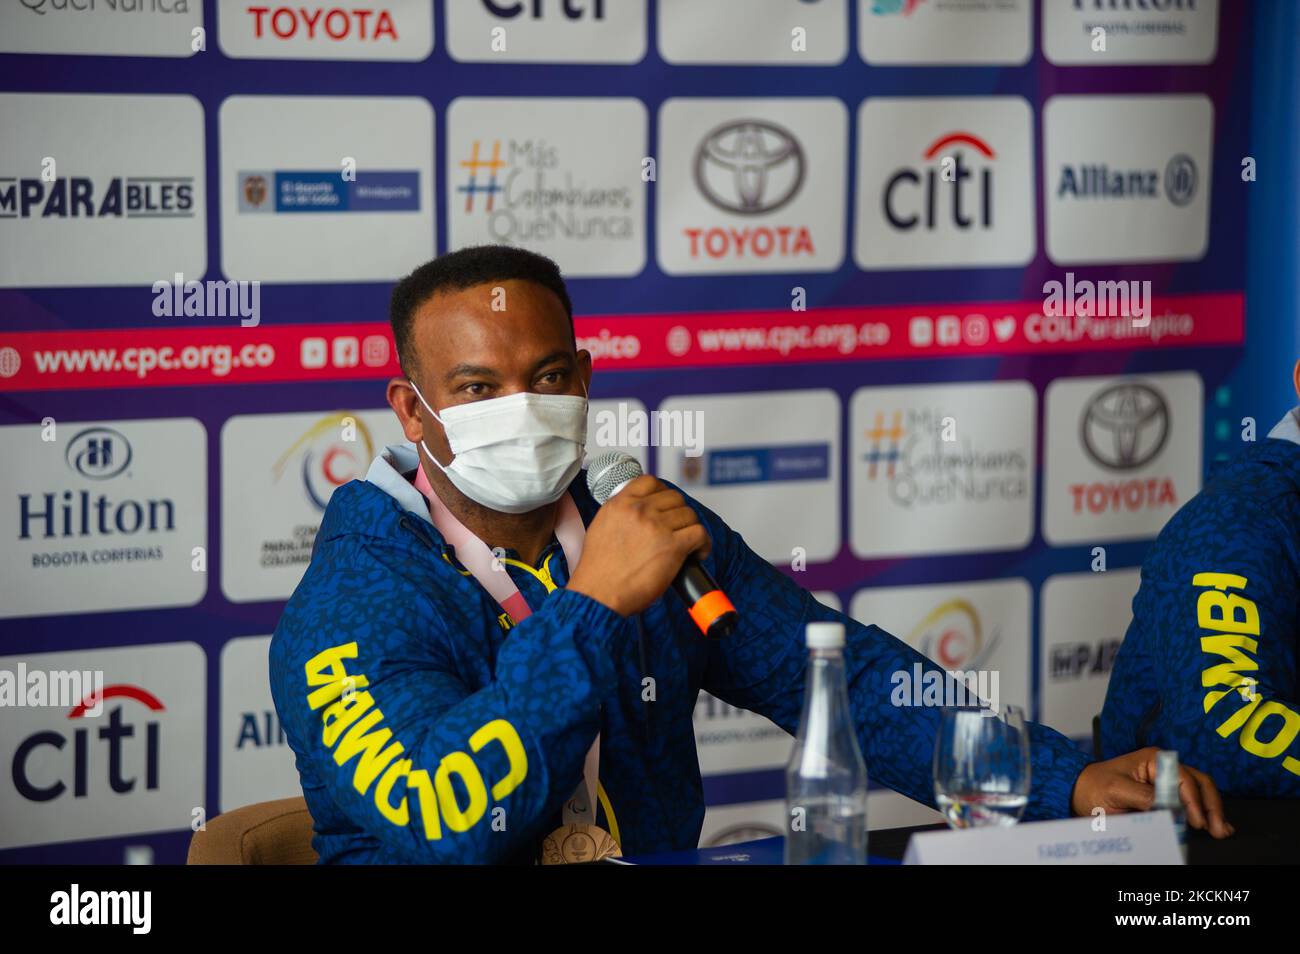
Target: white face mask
column 514, row 453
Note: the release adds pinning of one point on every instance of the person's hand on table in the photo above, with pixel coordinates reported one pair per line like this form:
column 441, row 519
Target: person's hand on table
column 1127, row 783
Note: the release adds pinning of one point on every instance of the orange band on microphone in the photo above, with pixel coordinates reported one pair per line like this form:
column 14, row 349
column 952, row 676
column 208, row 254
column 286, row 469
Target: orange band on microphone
column 709, row 607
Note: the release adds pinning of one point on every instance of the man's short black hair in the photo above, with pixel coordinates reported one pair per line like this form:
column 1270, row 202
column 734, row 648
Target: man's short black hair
column 456, row 271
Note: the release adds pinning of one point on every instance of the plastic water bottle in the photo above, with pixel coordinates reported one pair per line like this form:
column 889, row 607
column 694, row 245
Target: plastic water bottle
column 826, row 780
column 1167, row 795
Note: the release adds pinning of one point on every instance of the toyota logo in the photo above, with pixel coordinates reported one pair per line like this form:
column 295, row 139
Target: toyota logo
column 1125, row 426
column 749, row 167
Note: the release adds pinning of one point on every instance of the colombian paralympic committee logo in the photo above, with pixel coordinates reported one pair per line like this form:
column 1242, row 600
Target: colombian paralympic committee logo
column 951, row 634
column 329, row 458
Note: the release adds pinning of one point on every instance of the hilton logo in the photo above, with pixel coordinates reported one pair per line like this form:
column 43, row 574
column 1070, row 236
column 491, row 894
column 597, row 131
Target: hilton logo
column 99, row 453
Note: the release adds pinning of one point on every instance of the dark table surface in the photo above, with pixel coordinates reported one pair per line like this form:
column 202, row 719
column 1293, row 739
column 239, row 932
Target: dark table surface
column 1268, row 832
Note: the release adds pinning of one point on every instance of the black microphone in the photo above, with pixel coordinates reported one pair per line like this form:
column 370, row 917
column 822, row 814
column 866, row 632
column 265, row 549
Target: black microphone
column 708, row 605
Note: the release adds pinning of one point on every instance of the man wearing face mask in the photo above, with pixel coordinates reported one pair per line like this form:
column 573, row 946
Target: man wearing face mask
column 482, row 665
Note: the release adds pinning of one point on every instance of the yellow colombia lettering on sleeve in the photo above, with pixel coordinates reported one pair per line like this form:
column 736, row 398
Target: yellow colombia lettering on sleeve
column 351, row 725
column 458, row 819
column 1281, row 741
column 399, row 814
column 1227, row 612
column 1233, row 619
column 344, row 688
column 499, row 730
column 360, row 740
column 327, row 665
column 1237, row 719
column 1230, row 648
column 419, row 779
column 1220, row 581
column 338, row 717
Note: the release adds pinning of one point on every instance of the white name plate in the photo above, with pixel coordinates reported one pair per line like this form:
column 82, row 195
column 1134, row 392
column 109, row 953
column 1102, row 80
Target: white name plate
column 1141, row 838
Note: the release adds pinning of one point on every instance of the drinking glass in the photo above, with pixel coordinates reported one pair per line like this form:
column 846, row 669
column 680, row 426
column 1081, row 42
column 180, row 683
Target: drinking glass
column 981, row 766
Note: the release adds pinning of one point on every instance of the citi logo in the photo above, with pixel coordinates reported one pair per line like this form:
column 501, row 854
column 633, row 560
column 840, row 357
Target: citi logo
column 953, row 188
column 99, row 453
column 50, row 765
column 154, row 197
column 569, row 9
column 1100, row 181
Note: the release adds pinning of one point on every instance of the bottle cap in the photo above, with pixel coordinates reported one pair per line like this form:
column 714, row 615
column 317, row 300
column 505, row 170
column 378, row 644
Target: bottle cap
column 825, row 635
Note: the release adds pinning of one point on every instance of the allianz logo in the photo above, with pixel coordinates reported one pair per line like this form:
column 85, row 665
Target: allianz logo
column 1099, row 181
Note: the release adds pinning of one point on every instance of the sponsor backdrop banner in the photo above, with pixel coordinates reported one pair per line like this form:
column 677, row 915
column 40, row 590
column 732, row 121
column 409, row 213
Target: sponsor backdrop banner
column 809, row 246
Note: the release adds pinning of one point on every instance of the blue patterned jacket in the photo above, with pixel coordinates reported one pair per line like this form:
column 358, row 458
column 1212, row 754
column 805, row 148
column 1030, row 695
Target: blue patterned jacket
column 426, row 731
column 1208, row 666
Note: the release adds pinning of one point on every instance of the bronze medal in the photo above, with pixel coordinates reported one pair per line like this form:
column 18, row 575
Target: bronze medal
column 575, row 844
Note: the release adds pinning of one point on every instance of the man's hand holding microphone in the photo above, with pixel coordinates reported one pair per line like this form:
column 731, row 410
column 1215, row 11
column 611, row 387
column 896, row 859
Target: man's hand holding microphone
column 644, row 539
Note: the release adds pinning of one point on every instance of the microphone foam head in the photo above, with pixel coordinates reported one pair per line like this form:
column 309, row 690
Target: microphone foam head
column 609, row 472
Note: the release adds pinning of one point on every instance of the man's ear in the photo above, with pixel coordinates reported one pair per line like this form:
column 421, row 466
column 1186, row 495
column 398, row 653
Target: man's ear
column 402, row 399
column 584, row 368
column 1296, row 379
